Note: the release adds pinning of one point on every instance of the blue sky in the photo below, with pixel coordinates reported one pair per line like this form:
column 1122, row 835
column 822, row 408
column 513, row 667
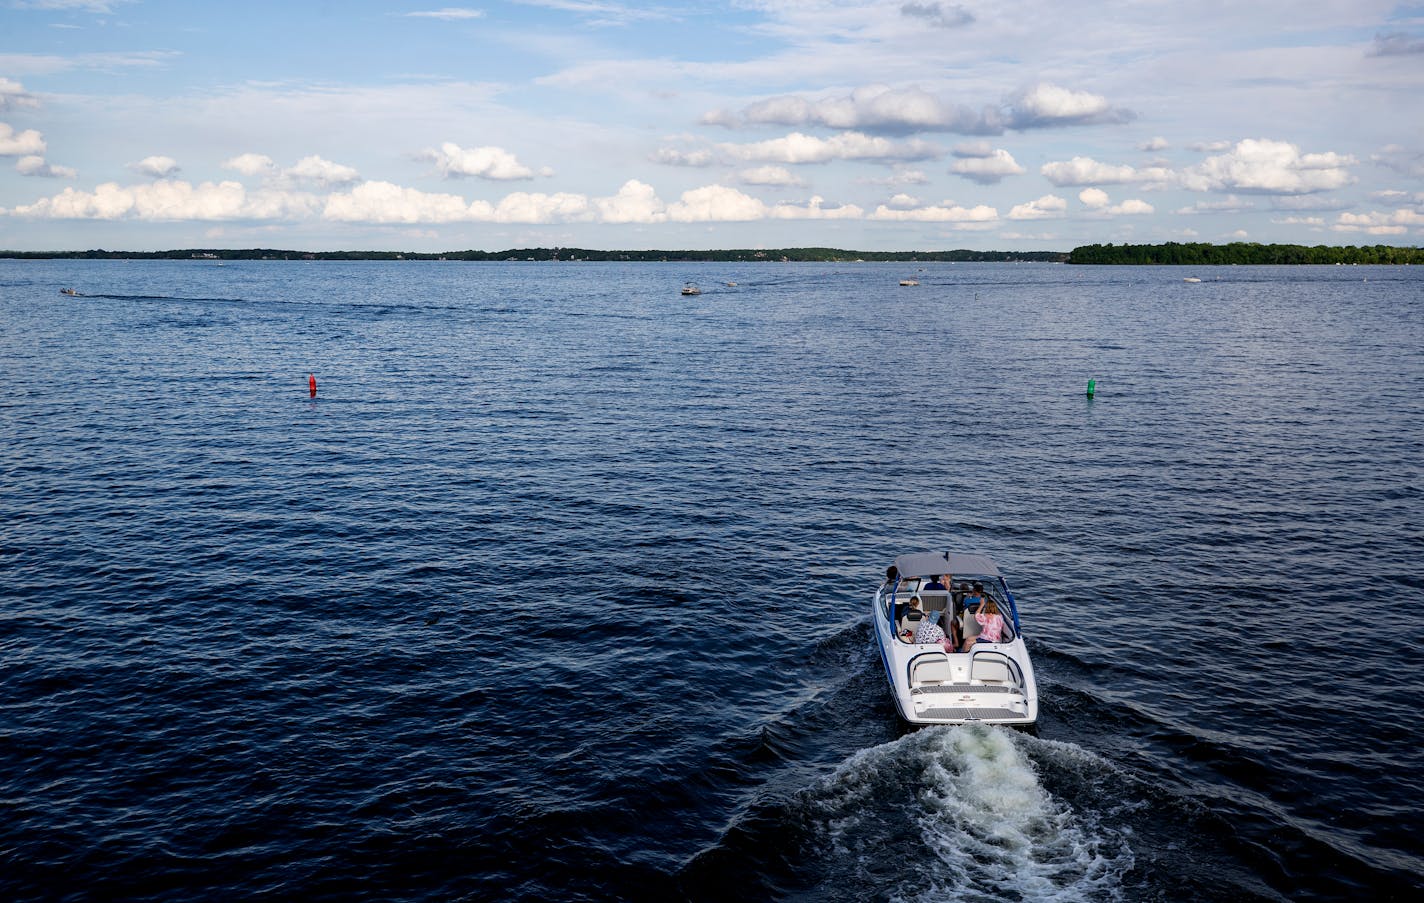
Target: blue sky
column 138, row 125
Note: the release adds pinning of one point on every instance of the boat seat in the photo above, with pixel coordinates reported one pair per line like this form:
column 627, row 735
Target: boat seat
column 990, row 670
column 930, row 670
column 934, row 600
column 910, row 621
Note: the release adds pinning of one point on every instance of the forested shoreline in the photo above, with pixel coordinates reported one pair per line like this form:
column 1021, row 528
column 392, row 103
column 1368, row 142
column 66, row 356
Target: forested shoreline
column 1241, row 253
column 748, row 255
column 1168, row 254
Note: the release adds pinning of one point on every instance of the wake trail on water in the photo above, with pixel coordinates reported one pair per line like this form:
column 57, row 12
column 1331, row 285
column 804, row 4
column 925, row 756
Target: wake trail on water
column 956, row 813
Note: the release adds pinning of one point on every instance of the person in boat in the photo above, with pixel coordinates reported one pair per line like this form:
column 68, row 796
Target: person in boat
column 911, row 620
column 969, row 628
column 929, row 630
column 942, row 583
column 989, row 620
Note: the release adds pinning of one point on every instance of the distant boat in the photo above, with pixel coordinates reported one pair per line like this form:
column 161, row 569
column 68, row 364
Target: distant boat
column 69, row 291
column 909, row 282
column 691, row 289
column 1191, row 279
column 732, row 284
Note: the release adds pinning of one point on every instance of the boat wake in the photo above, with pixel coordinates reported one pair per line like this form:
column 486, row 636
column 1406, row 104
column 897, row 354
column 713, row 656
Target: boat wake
column 956, row 813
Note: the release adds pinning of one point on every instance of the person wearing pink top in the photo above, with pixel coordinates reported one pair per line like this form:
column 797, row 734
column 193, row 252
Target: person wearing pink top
column 991, row 624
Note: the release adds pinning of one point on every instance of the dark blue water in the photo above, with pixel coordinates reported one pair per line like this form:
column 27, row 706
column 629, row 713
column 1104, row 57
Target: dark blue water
column 560, row 587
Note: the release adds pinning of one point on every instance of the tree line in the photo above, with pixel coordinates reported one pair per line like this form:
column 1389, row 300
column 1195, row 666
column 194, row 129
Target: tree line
column 1245, row 253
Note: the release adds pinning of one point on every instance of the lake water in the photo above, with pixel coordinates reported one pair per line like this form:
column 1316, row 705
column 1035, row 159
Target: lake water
column 559, row 588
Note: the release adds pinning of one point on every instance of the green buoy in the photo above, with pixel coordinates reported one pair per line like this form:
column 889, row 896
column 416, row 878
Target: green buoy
column 1092, row 387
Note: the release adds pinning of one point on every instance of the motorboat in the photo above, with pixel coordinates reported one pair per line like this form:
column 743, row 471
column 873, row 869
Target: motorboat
column 69, row 291
column 691, row 289
column 909, row 282
column 1191, row 279
column 935, row 682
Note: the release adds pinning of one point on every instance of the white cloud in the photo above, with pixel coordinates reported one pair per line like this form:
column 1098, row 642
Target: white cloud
column 1152, row 145
column 91, row 6
column 1210, row 147
column 448, row 14
column 1230, row 204
column 1131, row 207
column 36, row 166
column 776, row 176
column 1087, row 171
column 1270, row 167
column 322, row 172
column 900, row 175
column 799, row 148
column 1097, row 200
column 973, row 149
column 383, row 202
column 1396, row 43
column 938, row 213
column 635, row 202
column 938, row 15
column 20, row 144
column 157, row 166
column 871, row 108
column 13, row 96
column 1299, row 202
column 987, row 170
column 1300, row 221
column 881, row 108
column 1253, row 165
column 903, row 202
column 1403, row 161
column 1052, row 105
column 598, row 12
column 251, row 164
column 1393, row 196
column 1395, row 222
column 671, row 156
column 453, row 161
column 168, row 201
column 716, row 204
column 537, row 207
column 1044, row 208
column 1094, row 198
column 814, row 209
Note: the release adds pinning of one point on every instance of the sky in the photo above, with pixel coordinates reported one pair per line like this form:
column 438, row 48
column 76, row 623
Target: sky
column 924, row 125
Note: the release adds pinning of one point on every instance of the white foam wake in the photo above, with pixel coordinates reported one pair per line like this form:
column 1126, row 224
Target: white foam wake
column 960, row 813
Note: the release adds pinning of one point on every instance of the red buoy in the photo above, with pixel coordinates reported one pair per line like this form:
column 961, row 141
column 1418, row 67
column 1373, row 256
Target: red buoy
column 311, row 383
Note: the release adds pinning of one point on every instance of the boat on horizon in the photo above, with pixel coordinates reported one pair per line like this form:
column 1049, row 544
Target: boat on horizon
column 909, row 282
column 71, row 292
column 935, row 683
column 1191, row 279
column 690, row 289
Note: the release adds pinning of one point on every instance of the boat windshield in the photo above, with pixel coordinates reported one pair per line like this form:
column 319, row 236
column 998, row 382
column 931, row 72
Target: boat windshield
column 951, row 598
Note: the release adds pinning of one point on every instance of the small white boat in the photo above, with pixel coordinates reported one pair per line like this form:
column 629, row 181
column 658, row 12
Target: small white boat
column 909, row 282
column 69, row 291
column 1191, row 279
column 691, row 289
column 990, row 683
column 731, row 285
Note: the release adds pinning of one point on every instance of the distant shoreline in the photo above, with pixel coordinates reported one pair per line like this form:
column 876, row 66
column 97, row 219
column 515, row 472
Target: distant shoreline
column 1167, row 254
column 739, row 255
